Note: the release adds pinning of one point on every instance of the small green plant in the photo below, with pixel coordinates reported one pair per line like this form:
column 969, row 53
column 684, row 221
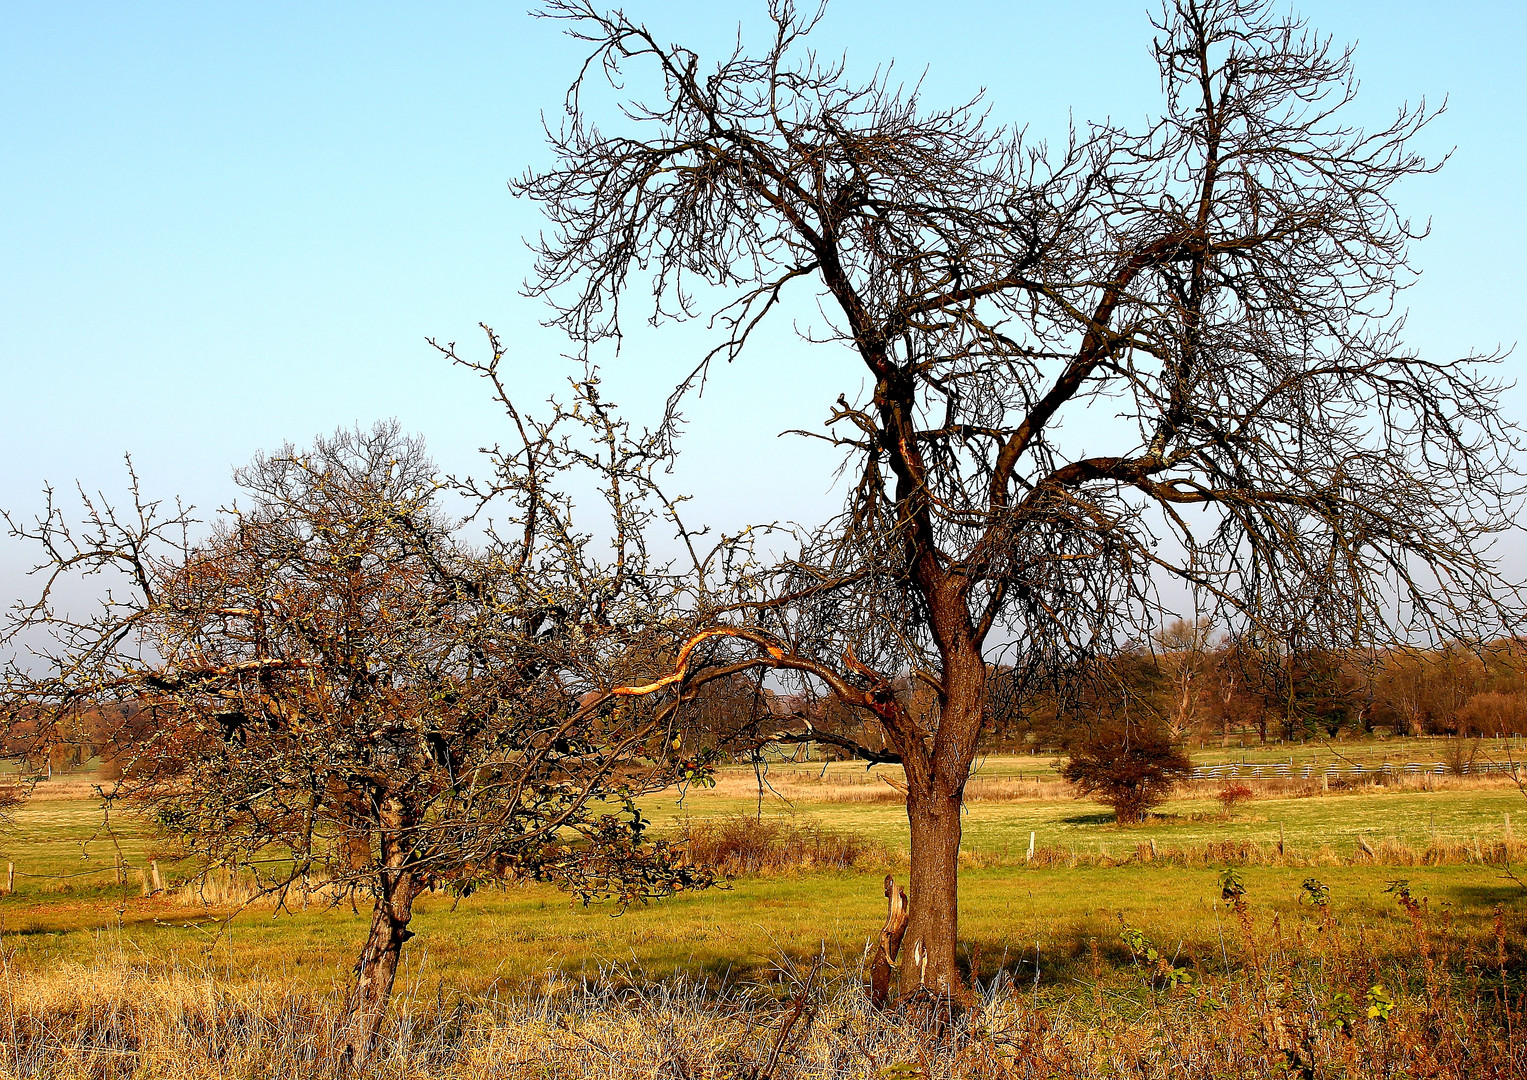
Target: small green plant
column 1231, row 887
column 1342, row 1012
column 1380, row 1004
column 1163, row 974
column 1139, row 945
column 1316, row 892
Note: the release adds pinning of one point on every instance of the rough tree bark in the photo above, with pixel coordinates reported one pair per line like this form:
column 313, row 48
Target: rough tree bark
column 377, row 967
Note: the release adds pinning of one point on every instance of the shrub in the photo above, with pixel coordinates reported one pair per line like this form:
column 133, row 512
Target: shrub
column 1232, row 795
column 1130, row 767
column 1458, row 754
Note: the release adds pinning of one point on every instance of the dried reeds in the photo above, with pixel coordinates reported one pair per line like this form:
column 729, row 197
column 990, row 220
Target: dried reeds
column 744, row 844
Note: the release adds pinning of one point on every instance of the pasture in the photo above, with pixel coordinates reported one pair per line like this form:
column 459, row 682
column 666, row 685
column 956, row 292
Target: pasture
column 1055, row 926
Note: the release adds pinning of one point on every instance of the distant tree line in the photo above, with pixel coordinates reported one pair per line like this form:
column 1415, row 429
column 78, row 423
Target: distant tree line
column 1227, row 691
column 1186, row 687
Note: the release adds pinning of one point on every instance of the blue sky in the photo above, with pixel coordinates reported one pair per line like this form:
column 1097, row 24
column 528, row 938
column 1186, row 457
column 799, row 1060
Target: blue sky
column 228, row 225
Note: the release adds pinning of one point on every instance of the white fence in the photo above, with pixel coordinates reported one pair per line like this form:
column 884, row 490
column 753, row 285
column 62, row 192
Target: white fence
column 1290, row 771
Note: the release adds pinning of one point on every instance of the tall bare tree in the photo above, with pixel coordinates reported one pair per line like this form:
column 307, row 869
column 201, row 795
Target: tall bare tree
column 1170, row 353
column 333, row 689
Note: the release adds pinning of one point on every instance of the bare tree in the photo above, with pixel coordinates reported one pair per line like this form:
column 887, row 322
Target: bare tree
column 333, row 689
column 1170, row 354
column 1186, row 659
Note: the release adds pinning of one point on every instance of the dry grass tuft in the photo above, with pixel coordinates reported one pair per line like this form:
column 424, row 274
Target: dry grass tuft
column 740, row 844
column 1285, row 1006
column 849, row 784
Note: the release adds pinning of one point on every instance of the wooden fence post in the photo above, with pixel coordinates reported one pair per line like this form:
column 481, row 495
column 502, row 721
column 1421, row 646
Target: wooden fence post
column 1030, row 856
column 10, row 878
column 153, row 865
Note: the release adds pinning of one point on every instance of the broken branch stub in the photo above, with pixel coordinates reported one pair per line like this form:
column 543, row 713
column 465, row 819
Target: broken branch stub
column 890, row 942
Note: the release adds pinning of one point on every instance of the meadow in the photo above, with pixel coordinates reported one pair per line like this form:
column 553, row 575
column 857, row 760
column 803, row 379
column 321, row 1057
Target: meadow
column 1077, row 944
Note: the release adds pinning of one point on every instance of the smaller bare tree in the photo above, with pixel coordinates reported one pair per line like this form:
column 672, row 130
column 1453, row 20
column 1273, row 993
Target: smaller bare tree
column 332, row 687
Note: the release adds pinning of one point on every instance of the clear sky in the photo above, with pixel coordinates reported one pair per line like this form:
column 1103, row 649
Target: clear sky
column 226, row 225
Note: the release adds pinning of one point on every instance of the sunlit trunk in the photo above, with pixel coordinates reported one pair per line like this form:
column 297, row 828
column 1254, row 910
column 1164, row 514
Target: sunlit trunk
column 375, row 973
column 928, row 950
column 935, row 793
column 377, row 968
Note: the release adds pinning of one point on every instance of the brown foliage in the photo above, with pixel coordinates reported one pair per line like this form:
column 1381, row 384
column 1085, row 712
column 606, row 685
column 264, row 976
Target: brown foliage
column 1232, row 795
column 1494, row 713
column 1130, row 767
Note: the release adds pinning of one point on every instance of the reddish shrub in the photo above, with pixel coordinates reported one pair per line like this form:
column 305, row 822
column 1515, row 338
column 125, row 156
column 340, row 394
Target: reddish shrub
column 1232, row 795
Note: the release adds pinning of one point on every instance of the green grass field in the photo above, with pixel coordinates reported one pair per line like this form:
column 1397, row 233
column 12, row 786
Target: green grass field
column 68, row 905
column 98, row 980
column 852, row 799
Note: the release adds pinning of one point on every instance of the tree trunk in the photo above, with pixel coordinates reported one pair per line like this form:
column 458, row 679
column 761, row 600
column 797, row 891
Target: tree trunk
column 378, row 964
column 937, row 769
column 928, row 955
column 376, row 969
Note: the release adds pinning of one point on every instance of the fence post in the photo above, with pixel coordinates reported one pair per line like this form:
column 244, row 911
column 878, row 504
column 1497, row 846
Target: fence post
column 10, row 878
column 1030, row 856
column 1280, row 838
column 153, row 865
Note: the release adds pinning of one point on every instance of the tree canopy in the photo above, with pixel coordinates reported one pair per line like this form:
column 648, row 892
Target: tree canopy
column 1157, row 356
column 331, row 687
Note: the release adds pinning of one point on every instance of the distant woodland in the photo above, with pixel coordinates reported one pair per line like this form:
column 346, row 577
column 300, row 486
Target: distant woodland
column 1223, row 692
column 1203, row 692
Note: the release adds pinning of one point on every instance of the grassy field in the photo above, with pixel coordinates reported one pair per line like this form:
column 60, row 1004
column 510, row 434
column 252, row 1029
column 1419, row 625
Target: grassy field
column 519, row 981
column 69, row 905
column 1011, row 797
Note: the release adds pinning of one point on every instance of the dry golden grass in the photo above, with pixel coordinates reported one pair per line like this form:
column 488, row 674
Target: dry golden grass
column 738, row 844
column 1314, row 999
